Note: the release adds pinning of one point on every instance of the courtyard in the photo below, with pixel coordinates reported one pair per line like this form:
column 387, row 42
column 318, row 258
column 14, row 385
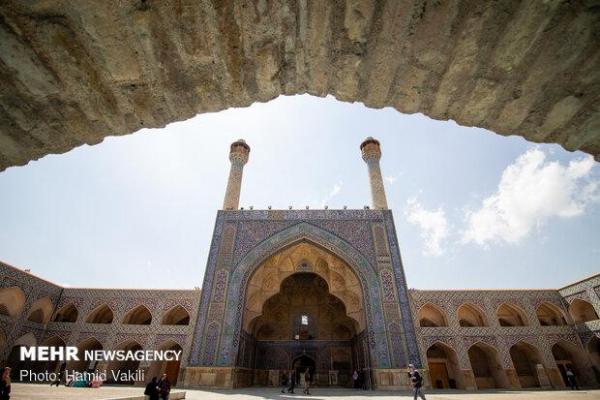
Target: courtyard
column 34, row 392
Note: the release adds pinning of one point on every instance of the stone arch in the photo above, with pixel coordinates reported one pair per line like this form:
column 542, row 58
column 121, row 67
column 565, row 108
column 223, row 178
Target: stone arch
column 89, row 344
column 487, row 367
column 550, row 315
column 67, row 313
column 41, row 310
column 125, row 366
column 302, row 232
column 53, row 365
column 102, row 314
column 430, row 315
column 469, row 315
column 511, row 315
column 171, row 368
column 443, row 367
column 569, row 356
column 582, row 311
column 14, row 361
column 139, row 315
column 177, row 315
column 12, row 301
column 302, row 257
column 525, row 358
column 593, row 349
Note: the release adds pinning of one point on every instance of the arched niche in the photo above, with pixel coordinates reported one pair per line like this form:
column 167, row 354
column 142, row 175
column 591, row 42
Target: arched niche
column 430, row 315
column 525, row 359
column 139, row 315
column 486, row 367
column 582, row 311
column 89, row 344
column 511, row 315
column 470, row 315
column 304, row 256
column 127, row 367
column 40, row 311
column 443, row 367
column 177, row 315
column 67, row 313
column 102, row 314
column 171, row 368
column 12, row 300
column 550, row 315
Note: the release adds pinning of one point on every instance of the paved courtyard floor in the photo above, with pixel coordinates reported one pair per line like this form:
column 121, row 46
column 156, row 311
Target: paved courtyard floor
column 39, row 392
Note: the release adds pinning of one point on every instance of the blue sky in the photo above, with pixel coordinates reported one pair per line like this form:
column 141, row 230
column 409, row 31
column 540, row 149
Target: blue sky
column 473, row 209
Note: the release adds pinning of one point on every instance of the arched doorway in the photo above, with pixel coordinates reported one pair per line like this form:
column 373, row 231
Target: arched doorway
column 100, row 315
column 139, row 315
column 550, row 315
column 525, row 359
column 67, row 313
column 444, row 371
column 301, row 364
column 55, row 365
column 14, row 360
column 125, row 367
column 82, row 365
column 568, row 356
column 510, row 315
column 487, row 370
column 593, row 348
column 171, row 368
column 12, row 300
column 304, row 301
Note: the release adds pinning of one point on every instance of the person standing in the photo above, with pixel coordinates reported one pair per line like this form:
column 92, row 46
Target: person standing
column 5, row 384
column 306, row 382
column 417, row 381
column 572, row 380
column 164, row 387
column 292, row 381
column 151, row 391
column 355, row 379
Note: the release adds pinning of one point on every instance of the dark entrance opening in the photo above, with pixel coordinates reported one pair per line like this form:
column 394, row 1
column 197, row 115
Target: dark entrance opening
column 300, row 365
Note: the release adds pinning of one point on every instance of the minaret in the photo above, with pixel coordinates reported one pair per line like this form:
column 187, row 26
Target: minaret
column 238, row 155
column 371, row 153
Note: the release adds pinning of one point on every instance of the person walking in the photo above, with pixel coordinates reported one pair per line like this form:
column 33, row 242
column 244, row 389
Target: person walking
column 417, row 381
column 5, row 384
column 151, row 391
column 164, row 387
column 572, row 379
column 284, row 381
column 58, row 378
column 306, row 382
column 292, row 381
column 355, row 379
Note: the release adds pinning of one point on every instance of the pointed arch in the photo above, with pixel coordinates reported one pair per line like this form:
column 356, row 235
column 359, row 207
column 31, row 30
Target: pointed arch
column 171, row 368
column 302, row 232
column 102, row 314
column 177, row 315
column 525, row 358
column 88, row 344
column 12, row 301
column 582, row 311
column 486, row 366
column 41, row 310
column 139, row 315
column 443, row 367
column 510, row 315
column 469, row 315
column 431, row 315
column 67, row 313
column 550, row 315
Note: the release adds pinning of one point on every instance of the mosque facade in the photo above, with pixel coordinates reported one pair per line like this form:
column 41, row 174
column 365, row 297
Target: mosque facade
column 324, row 290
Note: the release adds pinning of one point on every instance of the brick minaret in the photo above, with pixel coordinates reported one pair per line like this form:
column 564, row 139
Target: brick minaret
column 371, row 153
column 238, row 155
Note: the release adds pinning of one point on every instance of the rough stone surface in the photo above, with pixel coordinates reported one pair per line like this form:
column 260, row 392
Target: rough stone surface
column 73, row 72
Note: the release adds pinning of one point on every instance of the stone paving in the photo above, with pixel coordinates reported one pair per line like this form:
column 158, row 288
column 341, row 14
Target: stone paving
column 35, row 392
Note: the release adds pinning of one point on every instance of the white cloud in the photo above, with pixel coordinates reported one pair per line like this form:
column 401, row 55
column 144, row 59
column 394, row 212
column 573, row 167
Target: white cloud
column 433, row 225
column 530, row 191
column 335, row 190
